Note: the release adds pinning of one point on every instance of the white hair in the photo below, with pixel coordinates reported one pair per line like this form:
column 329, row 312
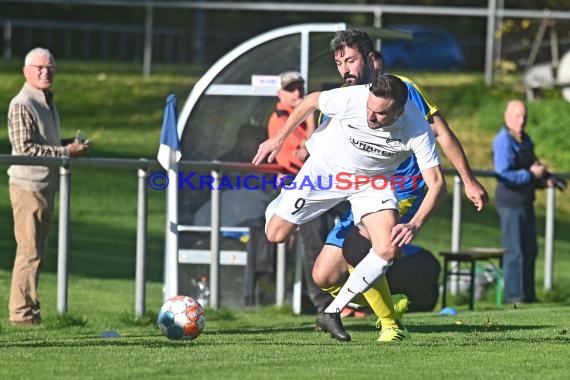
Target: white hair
column 38, row 51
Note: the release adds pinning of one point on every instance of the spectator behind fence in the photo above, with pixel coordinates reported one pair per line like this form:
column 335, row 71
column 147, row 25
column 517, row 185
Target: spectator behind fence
column 33, row 127
column 290, row 93
column 518, row 173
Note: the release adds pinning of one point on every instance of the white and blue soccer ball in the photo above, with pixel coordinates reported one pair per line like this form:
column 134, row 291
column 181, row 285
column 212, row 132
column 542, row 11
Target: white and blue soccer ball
column 181, row 317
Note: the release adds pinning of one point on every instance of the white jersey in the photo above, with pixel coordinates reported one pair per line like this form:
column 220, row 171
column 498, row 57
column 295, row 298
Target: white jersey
column 348, row 144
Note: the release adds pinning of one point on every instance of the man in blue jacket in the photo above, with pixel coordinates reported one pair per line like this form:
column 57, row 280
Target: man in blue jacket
column 518, row 172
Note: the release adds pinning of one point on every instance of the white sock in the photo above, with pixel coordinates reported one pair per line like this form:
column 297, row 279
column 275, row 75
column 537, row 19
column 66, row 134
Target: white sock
column 363, row 276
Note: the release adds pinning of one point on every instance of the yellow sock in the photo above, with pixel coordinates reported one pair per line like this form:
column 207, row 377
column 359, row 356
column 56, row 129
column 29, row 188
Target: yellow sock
column 380, row 300
column 358, row 299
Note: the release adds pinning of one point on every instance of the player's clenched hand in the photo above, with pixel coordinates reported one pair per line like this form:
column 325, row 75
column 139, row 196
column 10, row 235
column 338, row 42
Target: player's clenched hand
column 403, row 234
column 269, row 148
column 477, row 194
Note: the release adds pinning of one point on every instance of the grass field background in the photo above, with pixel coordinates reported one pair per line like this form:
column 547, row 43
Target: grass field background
column 122, row 114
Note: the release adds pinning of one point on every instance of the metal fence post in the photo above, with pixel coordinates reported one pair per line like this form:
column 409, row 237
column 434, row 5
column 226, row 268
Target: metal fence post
column 549, row 237
column 298, row 281
column 490, row 41
column 456, row 215
column 147, row 53
column 455, row 230
column 8, row 39
column 171, row 233
column 215, row 242
column 63, row 236
column 280, row 276
column 140, row 278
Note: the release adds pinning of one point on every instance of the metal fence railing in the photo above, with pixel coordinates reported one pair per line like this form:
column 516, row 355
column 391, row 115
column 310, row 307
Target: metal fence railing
column 143, row 166
column 90, row 40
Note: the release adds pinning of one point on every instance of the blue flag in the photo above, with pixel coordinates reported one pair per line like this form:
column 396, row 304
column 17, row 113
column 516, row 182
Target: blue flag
column 169, row 150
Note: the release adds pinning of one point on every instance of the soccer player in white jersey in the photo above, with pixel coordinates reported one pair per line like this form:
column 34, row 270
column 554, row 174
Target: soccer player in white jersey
column 373, row 129
column 346, row 245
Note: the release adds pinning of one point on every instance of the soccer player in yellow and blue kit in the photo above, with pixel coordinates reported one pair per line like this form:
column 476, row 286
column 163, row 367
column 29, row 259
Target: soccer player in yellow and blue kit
column 346, row 244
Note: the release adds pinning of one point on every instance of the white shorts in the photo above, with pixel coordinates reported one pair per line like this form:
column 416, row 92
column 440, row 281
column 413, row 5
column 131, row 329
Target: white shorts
column 306, row 199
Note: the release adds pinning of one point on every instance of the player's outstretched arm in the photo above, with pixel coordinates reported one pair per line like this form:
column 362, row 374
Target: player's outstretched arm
column 454, row 151
column 270, row 147
column 404, row 233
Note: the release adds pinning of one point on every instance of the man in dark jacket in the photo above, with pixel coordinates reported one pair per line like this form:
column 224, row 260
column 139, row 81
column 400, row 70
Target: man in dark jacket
column 518, row 172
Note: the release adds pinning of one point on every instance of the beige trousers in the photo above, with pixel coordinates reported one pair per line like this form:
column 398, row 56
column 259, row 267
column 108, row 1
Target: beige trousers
column 32, row 213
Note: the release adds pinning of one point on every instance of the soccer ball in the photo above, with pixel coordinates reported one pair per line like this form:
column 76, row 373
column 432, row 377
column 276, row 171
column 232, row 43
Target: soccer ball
column 181, row 317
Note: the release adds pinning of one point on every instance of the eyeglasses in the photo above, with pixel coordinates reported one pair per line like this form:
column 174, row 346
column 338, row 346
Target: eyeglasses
column 41, row 67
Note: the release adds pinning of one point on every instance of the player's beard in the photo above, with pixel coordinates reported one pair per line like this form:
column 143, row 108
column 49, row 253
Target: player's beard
column 350, row 80
column 353, row 80
column 374, row 125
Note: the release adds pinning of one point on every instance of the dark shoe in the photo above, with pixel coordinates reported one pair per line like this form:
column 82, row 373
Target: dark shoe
column 331, row 323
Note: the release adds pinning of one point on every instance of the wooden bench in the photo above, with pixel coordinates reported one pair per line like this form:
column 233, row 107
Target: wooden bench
column 472, row 255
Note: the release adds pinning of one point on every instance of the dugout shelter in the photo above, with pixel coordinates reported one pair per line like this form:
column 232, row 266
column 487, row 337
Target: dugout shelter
column 238, row 92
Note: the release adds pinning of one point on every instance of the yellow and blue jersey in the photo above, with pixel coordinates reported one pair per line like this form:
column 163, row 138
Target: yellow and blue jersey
column 409, row 169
